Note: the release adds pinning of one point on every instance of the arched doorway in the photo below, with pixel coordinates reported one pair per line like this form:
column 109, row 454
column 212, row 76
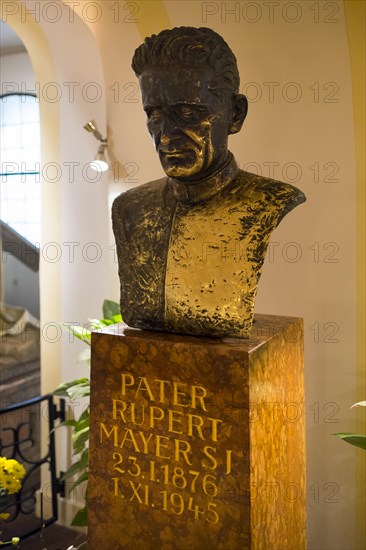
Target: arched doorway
column 69, row 78
column 75, row 240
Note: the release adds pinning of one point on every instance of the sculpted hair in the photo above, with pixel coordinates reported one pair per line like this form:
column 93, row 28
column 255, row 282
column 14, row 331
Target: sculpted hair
column 193, row 47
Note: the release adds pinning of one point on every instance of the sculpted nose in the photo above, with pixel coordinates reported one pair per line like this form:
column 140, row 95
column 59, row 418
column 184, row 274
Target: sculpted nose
column 164, row 139
column 168, row 131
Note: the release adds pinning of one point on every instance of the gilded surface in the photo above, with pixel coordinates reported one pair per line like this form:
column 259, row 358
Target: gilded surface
column 180, row 454
column 191, row 246
column 216, row 253
column 190, row 258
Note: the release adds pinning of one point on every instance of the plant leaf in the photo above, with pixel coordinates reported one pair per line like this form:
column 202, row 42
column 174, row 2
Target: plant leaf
column 80, row 427
column 74, row 469
column 81, row 388
column 62, row 389
column 78, row 390
column 70, row 422
column 78, row 466
column 110, row 309
column 85, row 415
column 80, row 479
column 82, row 333
column 81, row 518
column 359, row 440
column 106, row 322
column 359, row 404
column 79, row 440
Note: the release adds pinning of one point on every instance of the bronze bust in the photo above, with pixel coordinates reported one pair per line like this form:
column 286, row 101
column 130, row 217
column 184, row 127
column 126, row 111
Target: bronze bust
column 191, row 245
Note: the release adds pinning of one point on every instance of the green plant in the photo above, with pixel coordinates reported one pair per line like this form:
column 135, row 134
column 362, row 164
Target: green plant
column 359, row 440
column 74, row 391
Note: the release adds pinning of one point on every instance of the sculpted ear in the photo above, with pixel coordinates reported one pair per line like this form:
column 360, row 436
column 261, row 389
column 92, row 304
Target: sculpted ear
column 240, row 109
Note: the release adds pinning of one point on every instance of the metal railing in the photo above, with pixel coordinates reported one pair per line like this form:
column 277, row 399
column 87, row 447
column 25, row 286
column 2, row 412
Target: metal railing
column 21, row 426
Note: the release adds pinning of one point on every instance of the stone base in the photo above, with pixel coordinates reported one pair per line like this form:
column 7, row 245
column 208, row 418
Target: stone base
column 197, row 443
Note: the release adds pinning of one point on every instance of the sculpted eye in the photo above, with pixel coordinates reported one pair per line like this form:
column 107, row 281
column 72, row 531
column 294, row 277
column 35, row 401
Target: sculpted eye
column 185, row 110
column 192, row 113
column 153, row 114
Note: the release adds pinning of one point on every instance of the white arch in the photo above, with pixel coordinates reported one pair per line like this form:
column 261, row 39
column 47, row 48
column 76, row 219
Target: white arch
column 68, row 70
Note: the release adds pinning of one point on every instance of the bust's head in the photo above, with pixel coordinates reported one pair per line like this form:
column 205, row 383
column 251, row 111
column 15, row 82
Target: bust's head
column 189, row 82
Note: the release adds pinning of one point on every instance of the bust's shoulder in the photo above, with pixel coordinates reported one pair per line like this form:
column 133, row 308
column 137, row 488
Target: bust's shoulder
column 264, row 190
column 267, row 186
column 150, row 191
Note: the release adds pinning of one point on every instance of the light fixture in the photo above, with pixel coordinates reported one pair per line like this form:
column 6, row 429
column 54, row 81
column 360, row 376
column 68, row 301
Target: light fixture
column 99, row 164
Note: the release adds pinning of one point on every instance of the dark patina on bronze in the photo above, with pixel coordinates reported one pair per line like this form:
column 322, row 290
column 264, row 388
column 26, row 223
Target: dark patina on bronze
column 191, row 245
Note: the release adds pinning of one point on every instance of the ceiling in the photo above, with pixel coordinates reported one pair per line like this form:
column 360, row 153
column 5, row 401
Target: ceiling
column 9, row 40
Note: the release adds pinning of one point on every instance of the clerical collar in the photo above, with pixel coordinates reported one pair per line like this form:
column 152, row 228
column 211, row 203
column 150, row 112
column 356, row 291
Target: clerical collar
column 206, row 188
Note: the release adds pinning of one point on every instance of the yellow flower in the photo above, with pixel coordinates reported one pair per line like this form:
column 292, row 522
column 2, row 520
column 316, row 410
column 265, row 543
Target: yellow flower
column 2, row 477
column 12, row 485
column 14, row 468
column 11, row 472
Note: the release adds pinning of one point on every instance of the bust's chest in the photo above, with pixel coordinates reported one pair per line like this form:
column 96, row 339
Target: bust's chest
column 216, row 251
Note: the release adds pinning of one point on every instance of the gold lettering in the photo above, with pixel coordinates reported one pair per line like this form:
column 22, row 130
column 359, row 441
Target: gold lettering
column 177, row 393
column 130, row 437
column 228, row 462
column 195, row 397
column 159, row 444
column 214, row 428
column 162, row 389
column 144, row 382
column 207, row 453
column 153, row 417
column 172, row 419
column 114, row 430
column 197, row 425
column 116, row 482
column 135, row 492
column 133, row 418
column 178, row 443
column 127, row 380
column 116, row 404
column 146, row 500
column 145, row 441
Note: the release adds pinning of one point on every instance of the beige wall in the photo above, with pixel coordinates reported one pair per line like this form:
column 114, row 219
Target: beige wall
column 300, row 125
column 311, row 270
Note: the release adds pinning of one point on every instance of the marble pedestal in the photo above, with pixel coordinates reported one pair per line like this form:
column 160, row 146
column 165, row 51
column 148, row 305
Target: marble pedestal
column 198, row 443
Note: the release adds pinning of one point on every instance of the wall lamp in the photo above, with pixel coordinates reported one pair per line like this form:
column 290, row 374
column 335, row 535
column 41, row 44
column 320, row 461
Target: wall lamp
column 99, row 163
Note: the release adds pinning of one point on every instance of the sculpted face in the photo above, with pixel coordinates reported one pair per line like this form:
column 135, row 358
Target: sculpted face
column 188, row 123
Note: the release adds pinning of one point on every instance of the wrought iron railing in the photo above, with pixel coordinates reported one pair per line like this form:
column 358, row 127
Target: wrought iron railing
column 21, row 426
